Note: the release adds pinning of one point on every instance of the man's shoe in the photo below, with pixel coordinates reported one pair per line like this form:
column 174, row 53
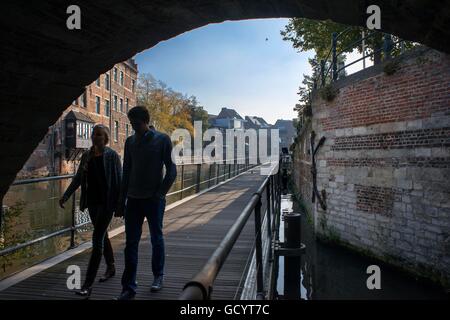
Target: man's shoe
column 157, row 284
column 126, row 295
column 84, row 292
column 109, row 273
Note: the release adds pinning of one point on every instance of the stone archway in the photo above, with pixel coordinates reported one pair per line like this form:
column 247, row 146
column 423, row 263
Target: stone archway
column 45, row 65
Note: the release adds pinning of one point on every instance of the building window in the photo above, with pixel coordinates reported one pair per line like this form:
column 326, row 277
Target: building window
column 127, row 130
column 97, row 104
column 84, row 130
column 133, row 84
column 115, row 103
column 115, row 74
column 121, row 78
column 107, row 108
column 97, row 82
column 121, row 105
column 126, row 104
column 116, row 131
column 107, row 81
column 79, row 129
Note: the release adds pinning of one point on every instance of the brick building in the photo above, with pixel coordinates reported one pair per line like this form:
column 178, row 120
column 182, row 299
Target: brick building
column 106, row 101
column 385, row 165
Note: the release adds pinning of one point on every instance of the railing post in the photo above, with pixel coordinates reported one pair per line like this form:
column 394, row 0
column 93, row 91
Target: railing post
column 259, row 264
column 199, row 168
column 217, row 172
column 72, row 231
column 334, row 59
column 292, row 264
column 269, row 218
column 387, row 46
column 322, row 72
column 182, row 181
column 209, row 176
column 272, row 194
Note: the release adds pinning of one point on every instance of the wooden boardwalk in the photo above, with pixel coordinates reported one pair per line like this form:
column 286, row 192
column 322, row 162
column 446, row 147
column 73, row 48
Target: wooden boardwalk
column 193, row 230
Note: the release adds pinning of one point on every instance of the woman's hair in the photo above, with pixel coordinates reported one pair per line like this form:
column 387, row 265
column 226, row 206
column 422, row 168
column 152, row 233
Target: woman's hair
column 105, row 130
column 91, row 150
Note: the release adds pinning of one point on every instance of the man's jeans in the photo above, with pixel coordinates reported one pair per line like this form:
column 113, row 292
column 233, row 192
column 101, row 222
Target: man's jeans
column 136, row 211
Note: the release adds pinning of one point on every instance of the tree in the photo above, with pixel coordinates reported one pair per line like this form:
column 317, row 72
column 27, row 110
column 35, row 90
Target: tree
column 198, row 113
column 306, row 34
column 168, row 109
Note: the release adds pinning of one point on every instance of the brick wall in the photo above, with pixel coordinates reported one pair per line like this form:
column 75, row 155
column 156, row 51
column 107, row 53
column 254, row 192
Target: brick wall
column 385, row 164
column 48, row 158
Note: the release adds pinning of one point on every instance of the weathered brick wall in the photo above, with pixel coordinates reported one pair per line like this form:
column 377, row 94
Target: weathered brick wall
column 302, row 162
column 385, row 164
column 48, row 158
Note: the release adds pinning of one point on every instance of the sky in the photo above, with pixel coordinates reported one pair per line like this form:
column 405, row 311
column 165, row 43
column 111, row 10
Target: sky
column 243, row 65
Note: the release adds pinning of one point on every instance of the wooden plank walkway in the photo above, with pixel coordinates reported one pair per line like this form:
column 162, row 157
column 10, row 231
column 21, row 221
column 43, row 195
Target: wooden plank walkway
column 193, row 230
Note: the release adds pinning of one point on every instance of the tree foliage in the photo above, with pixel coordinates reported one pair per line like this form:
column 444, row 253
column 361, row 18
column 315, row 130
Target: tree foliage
column 306, row 34
column 169, row 110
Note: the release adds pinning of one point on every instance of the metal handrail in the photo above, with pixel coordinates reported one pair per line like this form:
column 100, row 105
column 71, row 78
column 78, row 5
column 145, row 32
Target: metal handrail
column 42, row 179
column 333, row 69
column 352, row 45
column 201, row 285
column 74, row 227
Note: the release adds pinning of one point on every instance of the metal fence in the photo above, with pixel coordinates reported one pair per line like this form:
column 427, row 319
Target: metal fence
column 217, row 172
column 329, row 68
column 201, row 285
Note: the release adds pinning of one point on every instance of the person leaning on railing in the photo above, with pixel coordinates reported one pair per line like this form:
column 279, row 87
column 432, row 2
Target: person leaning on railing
column 100, row 176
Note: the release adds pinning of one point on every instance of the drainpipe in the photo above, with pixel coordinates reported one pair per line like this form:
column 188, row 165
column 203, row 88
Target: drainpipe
column 111, row 108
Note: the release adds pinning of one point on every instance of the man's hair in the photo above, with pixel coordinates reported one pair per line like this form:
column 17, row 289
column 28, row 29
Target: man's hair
column 139, row 113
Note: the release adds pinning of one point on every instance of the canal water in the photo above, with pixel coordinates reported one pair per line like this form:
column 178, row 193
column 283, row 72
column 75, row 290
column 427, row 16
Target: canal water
column 330, row 272
column 32, row 210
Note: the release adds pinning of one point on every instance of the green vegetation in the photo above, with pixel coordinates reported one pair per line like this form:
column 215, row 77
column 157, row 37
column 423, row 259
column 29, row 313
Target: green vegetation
column 12, row 234
column 328, row 93
column 391, row 67
column 169, row 110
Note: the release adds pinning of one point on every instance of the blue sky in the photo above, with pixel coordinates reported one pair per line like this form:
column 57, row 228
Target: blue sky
column 232, row 65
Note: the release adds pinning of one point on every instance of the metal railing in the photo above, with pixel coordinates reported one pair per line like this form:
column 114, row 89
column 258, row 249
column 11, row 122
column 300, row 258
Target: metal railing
column 230, row 170
column 329, row 69
column 201, row 285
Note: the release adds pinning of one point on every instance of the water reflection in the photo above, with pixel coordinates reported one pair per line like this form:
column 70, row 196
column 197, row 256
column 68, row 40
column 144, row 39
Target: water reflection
column 332, row 272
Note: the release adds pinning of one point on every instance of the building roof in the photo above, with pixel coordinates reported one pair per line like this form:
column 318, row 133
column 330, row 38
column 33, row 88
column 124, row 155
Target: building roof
column 257, row 121
column 281, row 122
column 79, row 116
column 228, row 113
column 131, row 63
column 262, row 121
